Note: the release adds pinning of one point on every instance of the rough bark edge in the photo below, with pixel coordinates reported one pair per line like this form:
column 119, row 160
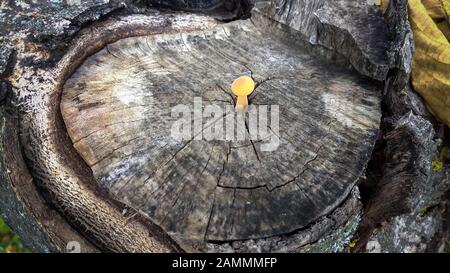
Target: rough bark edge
column 417, row 206
column 41, row 228
column 222, row 10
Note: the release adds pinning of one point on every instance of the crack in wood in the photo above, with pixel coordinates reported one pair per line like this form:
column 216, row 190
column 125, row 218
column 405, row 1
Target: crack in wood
column 251, row 141
column 224, row 164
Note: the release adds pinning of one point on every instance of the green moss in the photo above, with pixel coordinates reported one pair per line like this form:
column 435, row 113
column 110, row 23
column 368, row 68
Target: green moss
column 447, row 247
column 437, row 165
column 353, row 243
column 9, row 242
column 424, row 210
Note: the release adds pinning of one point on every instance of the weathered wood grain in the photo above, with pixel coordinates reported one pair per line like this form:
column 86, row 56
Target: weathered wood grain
column 117, row 110
column 355, row 29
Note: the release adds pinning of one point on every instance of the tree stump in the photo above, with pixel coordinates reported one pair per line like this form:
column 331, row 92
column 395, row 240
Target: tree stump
column 95, row 123
column 117, row 110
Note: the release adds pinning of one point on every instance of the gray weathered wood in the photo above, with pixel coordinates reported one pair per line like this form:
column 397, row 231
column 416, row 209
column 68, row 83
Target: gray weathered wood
column 117, row 108
column 354, row 29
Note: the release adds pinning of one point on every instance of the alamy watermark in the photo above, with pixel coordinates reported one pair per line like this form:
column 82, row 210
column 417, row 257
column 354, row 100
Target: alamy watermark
column 219, row 122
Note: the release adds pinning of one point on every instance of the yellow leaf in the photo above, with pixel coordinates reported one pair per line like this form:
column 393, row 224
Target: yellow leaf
column 430, row 75
column 434, row 8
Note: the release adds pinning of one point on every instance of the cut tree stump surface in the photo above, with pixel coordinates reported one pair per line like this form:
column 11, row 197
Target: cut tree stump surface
column 117, row 109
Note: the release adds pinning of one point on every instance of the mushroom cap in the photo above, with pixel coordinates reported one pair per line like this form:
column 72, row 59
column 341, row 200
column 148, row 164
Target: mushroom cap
column 243, row 86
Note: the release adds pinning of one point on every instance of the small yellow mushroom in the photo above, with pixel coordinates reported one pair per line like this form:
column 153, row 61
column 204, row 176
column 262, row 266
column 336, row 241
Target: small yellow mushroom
column 242, row 87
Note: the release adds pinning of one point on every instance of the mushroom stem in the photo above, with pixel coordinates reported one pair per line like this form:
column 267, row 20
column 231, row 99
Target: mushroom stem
column 241, row 103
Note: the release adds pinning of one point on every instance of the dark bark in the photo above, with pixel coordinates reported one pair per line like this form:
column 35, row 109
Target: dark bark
column 406, row 200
